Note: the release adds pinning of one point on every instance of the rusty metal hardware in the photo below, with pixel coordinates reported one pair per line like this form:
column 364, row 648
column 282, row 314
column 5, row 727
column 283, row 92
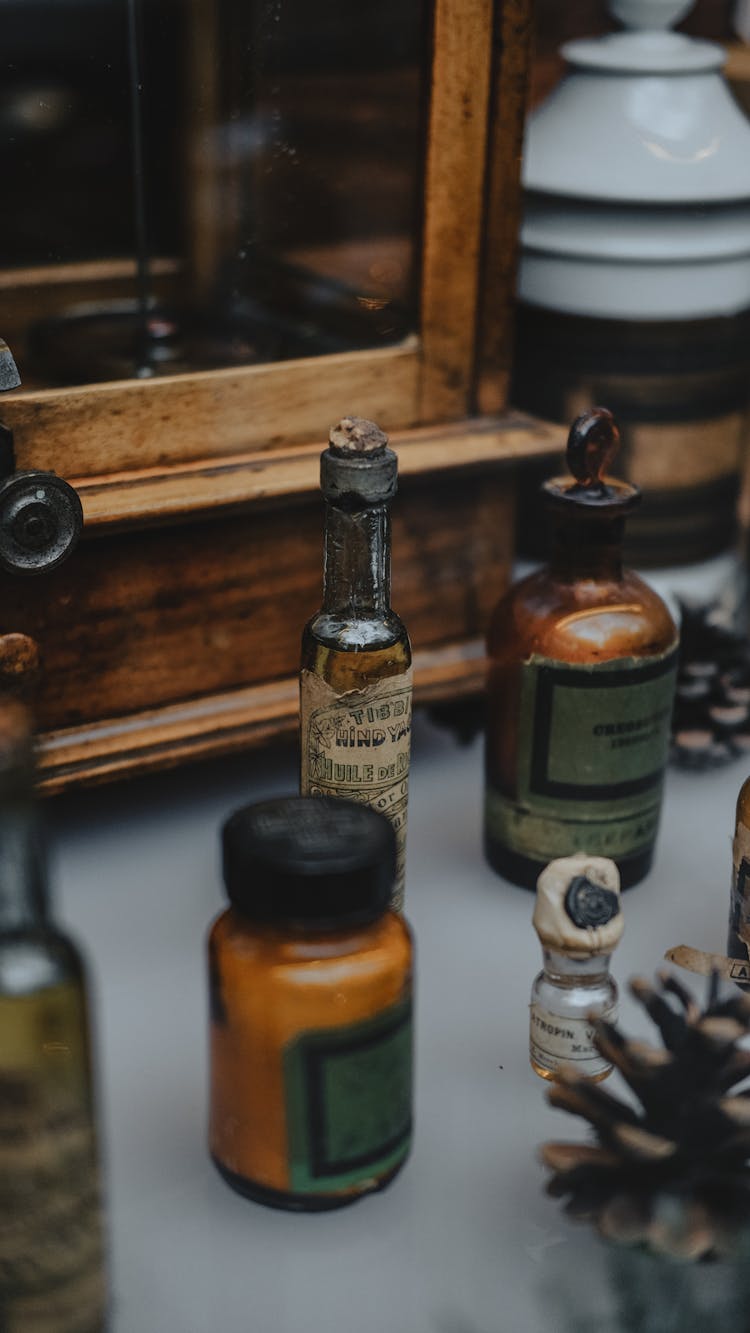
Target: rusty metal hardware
column 41, row 520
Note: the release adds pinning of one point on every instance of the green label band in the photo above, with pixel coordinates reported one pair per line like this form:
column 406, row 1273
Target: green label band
column 545, row 837
column 348, row 1101
column 593, row 744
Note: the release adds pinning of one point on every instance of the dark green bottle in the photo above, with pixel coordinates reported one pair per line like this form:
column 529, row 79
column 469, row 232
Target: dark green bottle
column 52, row 1271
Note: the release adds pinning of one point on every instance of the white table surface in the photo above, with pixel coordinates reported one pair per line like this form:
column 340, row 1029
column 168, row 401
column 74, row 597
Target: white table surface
column 465, row 1240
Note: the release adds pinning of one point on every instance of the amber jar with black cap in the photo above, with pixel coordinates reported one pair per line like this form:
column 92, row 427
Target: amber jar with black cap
column 581, row 683
column 310, row 976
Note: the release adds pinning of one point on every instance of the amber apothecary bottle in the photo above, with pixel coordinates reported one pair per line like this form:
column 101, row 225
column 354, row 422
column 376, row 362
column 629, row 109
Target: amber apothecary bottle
column 738, row 942
column 581, row 683
column 356, row 678
column 310, row 976
column 52, row 1277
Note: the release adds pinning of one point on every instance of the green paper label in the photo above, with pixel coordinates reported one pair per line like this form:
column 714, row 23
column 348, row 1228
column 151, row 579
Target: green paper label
column 593, row 744
column 348, row 1101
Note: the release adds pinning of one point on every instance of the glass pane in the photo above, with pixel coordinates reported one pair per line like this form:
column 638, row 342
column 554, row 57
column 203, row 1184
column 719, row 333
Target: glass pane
column 276, row 212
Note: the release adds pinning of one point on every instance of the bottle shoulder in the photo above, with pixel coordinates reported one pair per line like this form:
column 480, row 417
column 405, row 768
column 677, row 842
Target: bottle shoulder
column 574, row 997
column 355, row 634
column 344, row 664
column 282, row 956
column 581, row 620
column 34, row 958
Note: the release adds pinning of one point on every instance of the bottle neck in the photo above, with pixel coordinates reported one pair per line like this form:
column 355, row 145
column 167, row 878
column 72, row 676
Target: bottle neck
column 560, row 966
column 586, row 548
column 357, row 561
column 23, row 890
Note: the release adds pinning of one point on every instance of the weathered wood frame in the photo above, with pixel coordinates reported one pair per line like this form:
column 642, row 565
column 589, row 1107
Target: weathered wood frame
column 191, row 447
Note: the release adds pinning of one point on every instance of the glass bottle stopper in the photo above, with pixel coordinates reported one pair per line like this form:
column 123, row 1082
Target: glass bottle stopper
column 593, row 442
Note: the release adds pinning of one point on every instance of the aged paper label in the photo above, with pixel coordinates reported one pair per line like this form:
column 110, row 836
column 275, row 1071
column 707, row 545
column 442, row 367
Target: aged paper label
column 738, row 939
column 51, row 1239
column 702, row 963
column 357, row 745
column 555, row 1041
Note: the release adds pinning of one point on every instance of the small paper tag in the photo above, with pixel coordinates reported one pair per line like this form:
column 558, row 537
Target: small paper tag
column 702, row 963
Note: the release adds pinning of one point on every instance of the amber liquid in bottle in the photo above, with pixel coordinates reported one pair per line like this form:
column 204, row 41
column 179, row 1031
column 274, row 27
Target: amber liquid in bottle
column 355, row 680
column 581, row 681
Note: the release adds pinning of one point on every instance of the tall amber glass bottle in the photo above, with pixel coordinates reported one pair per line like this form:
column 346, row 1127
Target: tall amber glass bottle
column 356, row 680
column 310, row 976
column 51, row 1253
column 738, row 943
column 581, row 682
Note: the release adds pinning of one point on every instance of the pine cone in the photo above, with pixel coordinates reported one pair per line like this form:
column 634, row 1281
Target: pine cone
column 711, row 719
column 673, row 1173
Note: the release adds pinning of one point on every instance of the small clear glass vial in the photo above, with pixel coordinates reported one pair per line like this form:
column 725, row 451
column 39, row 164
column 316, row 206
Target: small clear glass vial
column 579, row 922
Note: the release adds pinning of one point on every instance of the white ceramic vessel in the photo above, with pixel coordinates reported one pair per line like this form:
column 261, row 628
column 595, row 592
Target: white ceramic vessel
column 637, row 178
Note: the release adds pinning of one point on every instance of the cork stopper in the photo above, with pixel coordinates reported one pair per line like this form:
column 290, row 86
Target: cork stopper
column 577, row 910
column 593, row 443
column 358, row 466
column 357, row 435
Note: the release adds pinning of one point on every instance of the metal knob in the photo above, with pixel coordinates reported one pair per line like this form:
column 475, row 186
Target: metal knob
column 41, row 520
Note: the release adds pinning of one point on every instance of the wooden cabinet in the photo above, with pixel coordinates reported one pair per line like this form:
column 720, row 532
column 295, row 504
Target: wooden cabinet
column 173, row 630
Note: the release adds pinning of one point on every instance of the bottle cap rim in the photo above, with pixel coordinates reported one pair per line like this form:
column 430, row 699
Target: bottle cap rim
column 314, row 860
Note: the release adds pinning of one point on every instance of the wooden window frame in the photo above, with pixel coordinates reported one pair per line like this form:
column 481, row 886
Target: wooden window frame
column 470, row 211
